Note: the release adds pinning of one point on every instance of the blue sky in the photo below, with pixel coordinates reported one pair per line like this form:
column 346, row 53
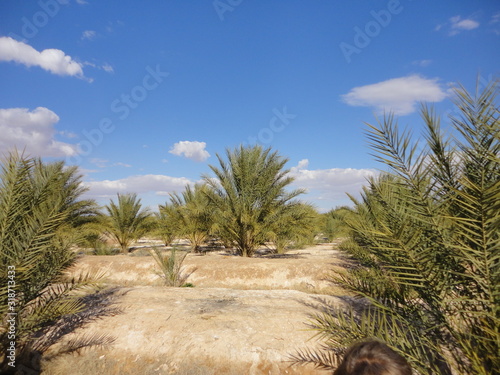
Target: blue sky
column 143, row 95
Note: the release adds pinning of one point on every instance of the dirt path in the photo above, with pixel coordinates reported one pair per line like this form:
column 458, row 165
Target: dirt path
column 244, row 316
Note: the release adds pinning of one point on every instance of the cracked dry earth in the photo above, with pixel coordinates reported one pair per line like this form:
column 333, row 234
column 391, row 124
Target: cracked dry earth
column 244, row 315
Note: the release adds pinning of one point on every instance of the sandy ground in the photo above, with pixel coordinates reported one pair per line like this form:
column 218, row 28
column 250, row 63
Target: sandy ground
column 243, row 315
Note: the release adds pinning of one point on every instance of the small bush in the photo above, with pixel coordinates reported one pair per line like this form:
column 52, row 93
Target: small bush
column 171, row 269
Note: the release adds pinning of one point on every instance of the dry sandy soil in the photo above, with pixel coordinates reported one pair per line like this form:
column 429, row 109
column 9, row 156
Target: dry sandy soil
column 243, row 315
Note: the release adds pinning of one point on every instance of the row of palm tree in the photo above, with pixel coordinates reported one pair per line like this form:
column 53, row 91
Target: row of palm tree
column 43, row 217
column 246, row 206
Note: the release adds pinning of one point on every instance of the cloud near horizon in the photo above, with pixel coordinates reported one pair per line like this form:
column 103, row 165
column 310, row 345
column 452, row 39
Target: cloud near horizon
column 397, row 95
column 32, row 131
column 52, row 60
column 193, row 150
column 330, row 184
column 140, row 184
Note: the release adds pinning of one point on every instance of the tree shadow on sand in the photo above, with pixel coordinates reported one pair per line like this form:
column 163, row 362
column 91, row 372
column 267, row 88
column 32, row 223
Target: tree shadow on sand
column 95, row 306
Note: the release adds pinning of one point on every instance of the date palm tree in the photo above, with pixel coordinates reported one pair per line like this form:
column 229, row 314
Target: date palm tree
column 249, row 195
column 40, row 208
column 190, row 213
column 126, row 220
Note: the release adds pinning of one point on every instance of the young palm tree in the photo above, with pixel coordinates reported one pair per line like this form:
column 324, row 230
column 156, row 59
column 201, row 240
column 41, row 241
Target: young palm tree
column 427, row 238
column 190, row 213
column 249, row 195
column 127, row 221
column 38, row 202
column 170, row 264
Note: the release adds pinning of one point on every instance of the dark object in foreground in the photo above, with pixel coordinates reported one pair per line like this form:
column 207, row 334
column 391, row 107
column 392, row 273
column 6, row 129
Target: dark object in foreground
column 372, row 358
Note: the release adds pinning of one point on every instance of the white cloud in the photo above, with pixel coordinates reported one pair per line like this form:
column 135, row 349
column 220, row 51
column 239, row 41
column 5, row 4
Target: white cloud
column 68, row 134
column 33, row 131
column 100, row 163
column 89, row 34
column 495, row 19
column 108, row 68
column 330, row 185
column 457, row 23
column 192, row 150
column 304, row 163
column 422, row 63
column 160, row 184
column 398, row 95
column 52, row 60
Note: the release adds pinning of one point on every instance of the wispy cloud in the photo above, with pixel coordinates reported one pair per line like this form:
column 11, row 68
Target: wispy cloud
column 193, row 150
column 52, row 60
column 495, row 18
column 89, row 35
column 458, row 24
column 397, row 95
column 104, row 163
column 108, row 68
column 100, row 163
column 495, row 23
column 422, row 63
column 32, row 131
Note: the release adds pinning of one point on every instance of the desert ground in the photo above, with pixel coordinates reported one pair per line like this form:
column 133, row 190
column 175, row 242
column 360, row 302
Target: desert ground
column 241, row 315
